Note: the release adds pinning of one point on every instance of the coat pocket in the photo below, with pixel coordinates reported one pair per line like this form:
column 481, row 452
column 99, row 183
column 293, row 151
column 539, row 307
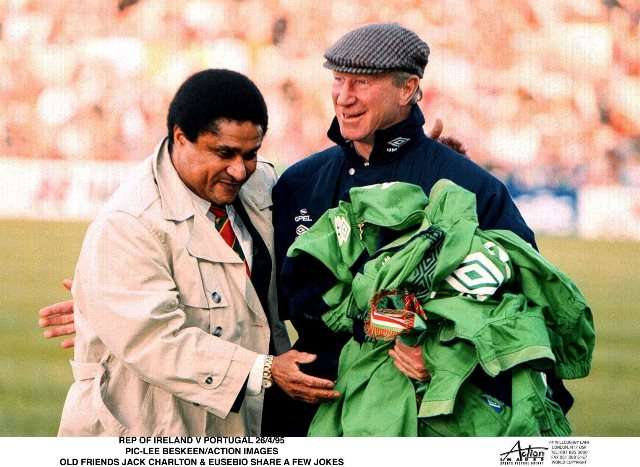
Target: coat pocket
column 111, row 424
column 85, row 412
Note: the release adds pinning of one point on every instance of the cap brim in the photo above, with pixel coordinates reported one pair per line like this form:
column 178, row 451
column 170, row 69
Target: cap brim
column 355, row 70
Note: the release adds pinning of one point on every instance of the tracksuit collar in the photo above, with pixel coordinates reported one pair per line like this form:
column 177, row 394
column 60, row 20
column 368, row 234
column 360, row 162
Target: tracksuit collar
column 390, row 143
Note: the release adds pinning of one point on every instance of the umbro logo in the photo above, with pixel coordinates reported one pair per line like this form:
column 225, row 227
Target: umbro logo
column 343, row 229
column 396, row 143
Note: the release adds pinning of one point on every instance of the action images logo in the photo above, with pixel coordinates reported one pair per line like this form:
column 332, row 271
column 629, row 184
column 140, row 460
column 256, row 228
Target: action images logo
column 517, row 455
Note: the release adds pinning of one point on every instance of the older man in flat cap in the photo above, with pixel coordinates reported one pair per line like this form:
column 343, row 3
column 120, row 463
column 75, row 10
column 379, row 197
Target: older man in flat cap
column 378, row 135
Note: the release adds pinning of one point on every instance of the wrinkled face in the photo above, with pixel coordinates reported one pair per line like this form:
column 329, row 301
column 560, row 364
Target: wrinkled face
column 366, row 103
column 217, row 164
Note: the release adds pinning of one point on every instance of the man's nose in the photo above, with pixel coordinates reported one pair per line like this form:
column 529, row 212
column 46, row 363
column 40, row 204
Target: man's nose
column 237, row 170
column 345, row 95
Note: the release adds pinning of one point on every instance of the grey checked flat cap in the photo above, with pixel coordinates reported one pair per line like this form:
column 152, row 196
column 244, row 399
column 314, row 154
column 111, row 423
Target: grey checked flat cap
column 378, row 48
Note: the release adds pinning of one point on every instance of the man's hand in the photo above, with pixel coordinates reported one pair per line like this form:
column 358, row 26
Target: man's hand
column 450, row 141
column 409, row 361
column 298, row 385
column 59, row 318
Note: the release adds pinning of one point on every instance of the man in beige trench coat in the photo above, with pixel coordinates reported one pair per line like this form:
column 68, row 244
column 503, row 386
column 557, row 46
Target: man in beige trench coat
column 177, row 331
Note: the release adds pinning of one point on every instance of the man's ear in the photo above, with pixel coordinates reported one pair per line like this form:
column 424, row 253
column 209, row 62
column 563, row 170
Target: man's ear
column 178, row 135
column 409, row 89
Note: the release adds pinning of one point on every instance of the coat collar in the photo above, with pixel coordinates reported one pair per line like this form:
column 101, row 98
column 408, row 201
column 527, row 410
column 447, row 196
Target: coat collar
column 390, row 143
column 175, row 197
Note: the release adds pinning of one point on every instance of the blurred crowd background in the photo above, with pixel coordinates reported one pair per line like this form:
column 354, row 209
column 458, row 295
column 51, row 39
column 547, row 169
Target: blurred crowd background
column 543, row 92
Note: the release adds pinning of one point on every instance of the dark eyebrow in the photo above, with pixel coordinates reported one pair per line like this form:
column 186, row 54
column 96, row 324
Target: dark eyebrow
column 232, row 149
column 223, row 148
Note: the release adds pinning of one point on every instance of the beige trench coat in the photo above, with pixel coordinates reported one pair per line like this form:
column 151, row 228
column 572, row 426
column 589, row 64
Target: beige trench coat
column 153, row 282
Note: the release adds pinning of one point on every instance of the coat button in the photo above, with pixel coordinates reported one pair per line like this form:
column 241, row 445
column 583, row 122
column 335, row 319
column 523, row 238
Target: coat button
column 352, row 171
column 209, row 380
column 217, row 331
column 216, row 297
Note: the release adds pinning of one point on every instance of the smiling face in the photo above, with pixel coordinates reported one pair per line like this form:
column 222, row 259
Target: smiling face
column 367, row 103
column 216, row 165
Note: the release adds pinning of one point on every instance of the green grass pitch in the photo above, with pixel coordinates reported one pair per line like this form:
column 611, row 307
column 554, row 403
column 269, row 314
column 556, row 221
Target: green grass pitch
column 35, row 375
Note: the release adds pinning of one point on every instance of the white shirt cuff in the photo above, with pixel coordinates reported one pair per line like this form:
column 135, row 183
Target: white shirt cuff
column 254, row 382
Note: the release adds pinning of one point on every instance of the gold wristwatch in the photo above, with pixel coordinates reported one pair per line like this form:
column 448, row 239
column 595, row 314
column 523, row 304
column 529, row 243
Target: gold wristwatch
column 267, row 379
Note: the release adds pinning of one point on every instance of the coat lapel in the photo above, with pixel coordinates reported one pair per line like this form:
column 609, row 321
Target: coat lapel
column 262, row 262
column 206, row 243
column 261, row 232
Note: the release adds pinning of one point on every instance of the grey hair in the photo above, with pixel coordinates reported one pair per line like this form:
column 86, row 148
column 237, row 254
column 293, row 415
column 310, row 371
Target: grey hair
column 400, row 78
